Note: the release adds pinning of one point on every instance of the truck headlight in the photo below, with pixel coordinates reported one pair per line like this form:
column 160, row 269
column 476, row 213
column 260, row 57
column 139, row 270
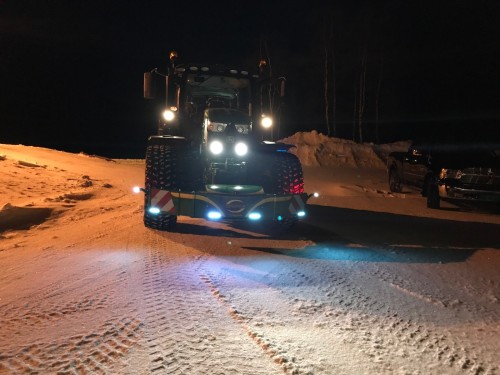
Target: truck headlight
column 216, row 147
column 168, row 115
column 240, row 149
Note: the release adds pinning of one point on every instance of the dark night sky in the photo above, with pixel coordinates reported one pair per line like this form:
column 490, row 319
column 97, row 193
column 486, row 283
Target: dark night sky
column 71, row 71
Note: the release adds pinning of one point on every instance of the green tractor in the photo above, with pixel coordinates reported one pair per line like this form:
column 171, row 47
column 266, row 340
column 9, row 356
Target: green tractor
column 207, row 160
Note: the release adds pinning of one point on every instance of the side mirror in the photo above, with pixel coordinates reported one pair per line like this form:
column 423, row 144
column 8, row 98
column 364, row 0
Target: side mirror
column 148, row 86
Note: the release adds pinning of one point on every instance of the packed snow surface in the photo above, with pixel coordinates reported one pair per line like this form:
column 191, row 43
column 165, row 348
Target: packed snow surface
column 369, row 283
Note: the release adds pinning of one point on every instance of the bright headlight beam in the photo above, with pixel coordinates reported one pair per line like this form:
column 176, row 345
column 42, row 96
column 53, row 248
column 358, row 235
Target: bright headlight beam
column 168, row 115
column 254, row 216
column 214, row 215
column 216, row 147
column 240, row 149
column 266, row 122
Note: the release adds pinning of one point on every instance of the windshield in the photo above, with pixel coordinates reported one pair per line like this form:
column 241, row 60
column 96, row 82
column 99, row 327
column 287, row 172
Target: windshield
column 214, row 91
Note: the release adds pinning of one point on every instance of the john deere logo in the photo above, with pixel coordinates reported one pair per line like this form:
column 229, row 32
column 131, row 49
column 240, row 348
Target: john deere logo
column 235, row 206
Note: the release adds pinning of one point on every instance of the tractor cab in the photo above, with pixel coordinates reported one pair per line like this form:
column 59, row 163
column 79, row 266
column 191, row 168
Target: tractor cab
column 214, row 108
column 194, row 92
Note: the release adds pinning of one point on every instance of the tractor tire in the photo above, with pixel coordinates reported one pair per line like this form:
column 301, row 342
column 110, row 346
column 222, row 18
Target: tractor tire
column 281, row 174
column 289, row 176
column 288, row 179
column 162, row 172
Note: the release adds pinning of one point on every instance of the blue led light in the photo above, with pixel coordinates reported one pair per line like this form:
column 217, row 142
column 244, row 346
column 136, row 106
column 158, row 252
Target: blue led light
column 154, row 210
column 214, row 215
column 254, row 216
column 301, row 213
column 280, row 218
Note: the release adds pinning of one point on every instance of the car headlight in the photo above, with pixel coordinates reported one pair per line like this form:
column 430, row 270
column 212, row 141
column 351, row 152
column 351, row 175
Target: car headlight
column 216, row 147
column 168, row 115
column 266, row 121
column 240, row 149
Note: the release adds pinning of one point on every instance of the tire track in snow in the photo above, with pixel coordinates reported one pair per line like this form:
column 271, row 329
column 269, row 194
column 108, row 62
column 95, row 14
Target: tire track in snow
column 45, row 304
column 445, row 297
column 186, row 331
column 268, row 316
column 345, row 314
column 268, row 348
column 95, row 352
column 430, row 343
column 52, row 329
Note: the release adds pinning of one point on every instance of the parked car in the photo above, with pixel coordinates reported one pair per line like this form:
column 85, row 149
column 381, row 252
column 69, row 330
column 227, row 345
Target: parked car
column 454, row 171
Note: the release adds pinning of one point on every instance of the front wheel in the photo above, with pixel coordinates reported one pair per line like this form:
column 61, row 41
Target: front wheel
column 163, row 222
column 433, row 199
column 394, row 181
column 278, row 173
column 163, row 172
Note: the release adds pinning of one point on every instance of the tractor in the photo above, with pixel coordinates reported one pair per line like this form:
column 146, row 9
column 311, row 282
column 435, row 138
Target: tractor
column 208, row 160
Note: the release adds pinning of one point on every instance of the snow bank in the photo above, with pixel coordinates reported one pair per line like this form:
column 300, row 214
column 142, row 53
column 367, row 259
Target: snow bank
column 316, row 149
column 37, row 184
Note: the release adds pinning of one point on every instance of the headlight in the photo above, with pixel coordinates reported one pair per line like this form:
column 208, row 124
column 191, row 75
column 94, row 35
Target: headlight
column 255, row 216
column 216, row 147
column 168, row 115
column 243, row 129
column 240, row 149
column 218, row 127
column 266, row 121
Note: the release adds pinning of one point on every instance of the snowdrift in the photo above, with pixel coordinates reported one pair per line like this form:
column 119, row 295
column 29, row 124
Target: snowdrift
column 316, row 149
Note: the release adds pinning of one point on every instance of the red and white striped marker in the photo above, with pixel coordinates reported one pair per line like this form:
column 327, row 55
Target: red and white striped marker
column 162, row 199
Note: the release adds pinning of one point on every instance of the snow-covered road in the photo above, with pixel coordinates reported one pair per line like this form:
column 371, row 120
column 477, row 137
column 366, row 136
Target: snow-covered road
column 369, row 283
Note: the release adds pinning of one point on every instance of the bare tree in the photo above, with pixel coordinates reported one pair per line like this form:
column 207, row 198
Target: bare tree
column 362, row 93
column 355, row 109
column 377, row 100
column 327, row 119
column 330, row 91
column 334, row 89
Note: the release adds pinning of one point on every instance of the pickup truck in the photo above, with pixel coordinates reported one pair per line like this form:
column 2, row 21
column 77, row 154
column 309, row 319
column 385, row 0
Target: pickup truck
column 449, row 171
